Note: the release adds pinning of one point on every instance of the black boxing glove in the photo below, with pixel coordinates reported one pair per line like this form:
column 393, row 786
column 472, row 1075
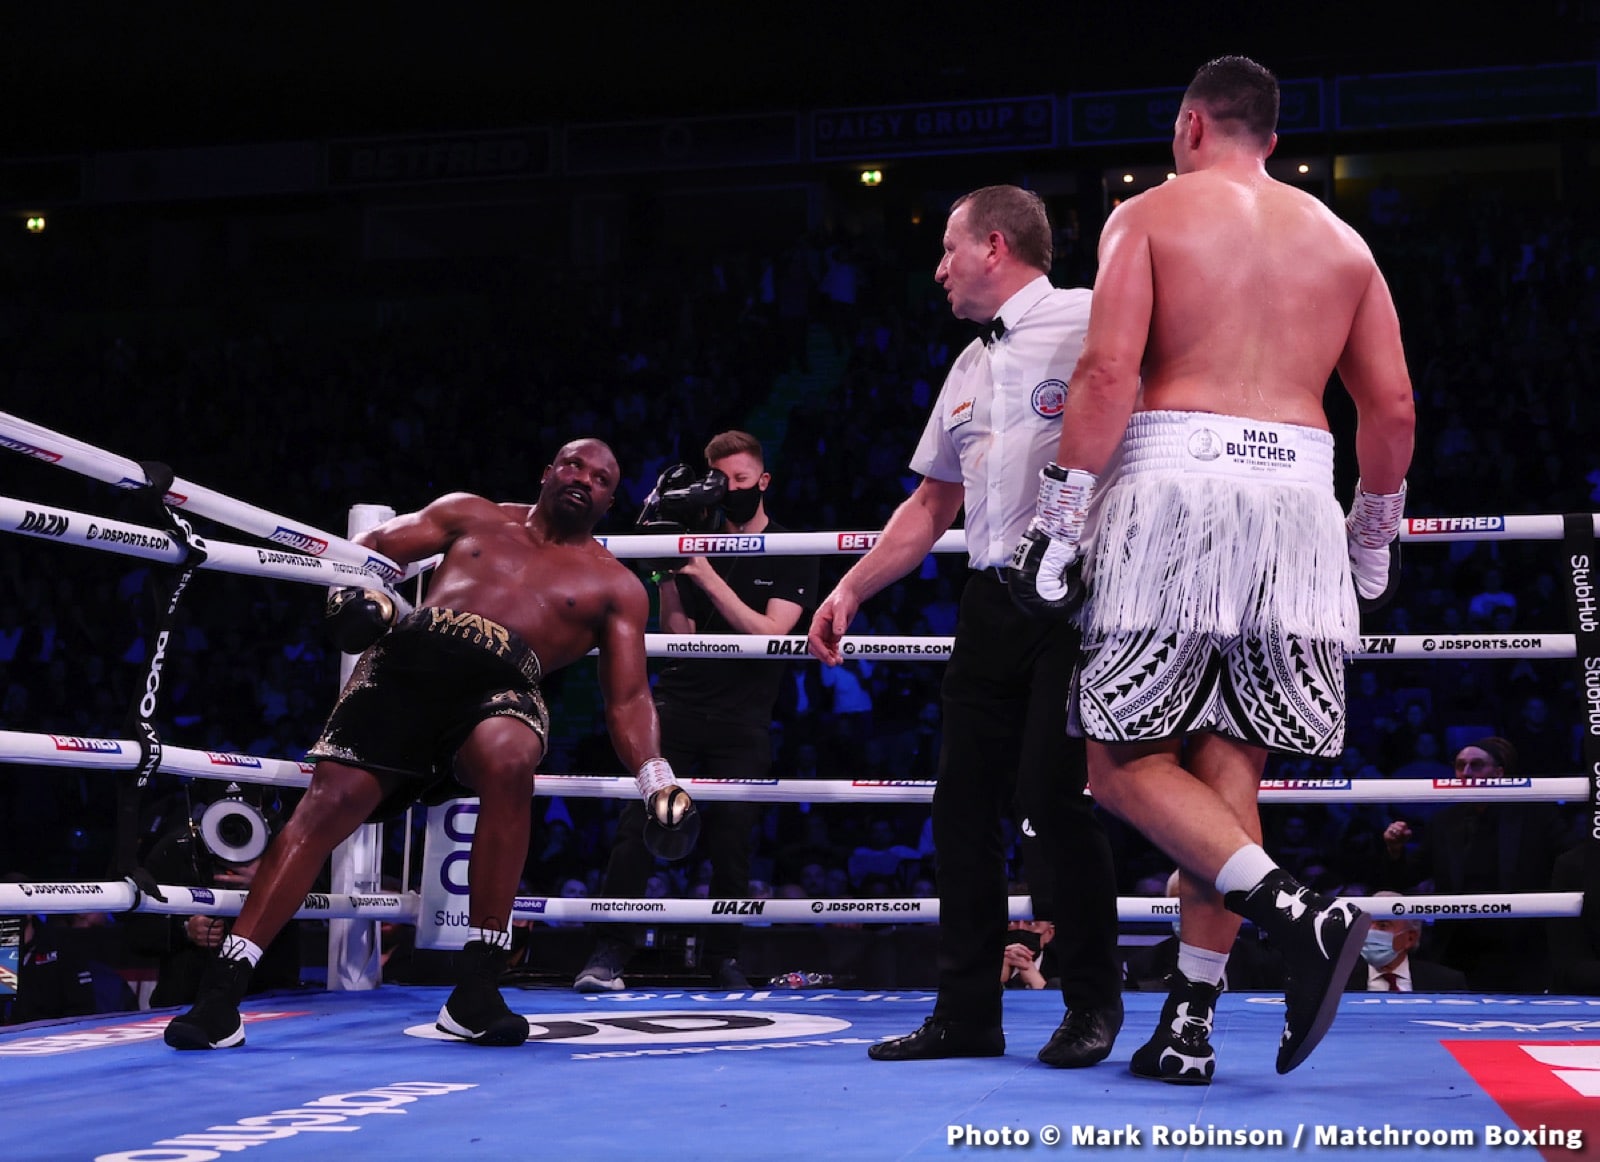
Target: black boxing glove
column 672, row 822
column 358, row 617
column 1047, row 565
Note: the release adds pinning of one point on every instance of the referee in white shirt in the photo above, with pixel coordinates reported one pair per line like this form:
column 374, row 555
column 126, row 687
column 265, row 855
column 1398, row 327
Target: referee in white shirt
column 995, row 425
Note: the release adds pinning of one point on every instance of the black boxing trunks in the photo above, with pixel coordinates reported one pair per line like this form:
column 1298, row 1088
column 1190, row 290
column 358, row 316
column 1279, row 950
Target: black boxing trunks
column 416, row 695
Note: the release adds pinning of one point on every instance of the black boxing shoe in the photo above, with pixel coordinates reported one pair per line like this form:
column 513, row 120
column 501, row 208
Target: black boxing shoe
column 939, row 1038
column 1180, row 1051
column 1083, row 1038
column 1319, row 939
column 214, row 1021
column 475, row 1011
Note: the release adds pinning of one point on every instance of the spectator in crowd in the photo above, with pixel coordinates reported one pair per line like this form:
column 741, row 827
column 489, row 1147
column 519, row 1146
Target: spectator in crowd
column 1387, row 964
column 1475, row 848
column 1027, row 947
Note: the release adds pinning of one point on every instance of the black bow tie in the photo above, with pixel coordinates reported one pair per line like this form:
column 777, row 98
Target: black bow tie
column 993, row 331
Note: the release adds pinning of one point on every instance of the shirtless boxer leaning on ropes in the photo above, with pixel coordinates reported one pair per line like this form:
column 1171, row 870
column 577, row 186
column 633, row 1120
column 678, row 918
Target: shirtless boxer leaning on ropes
column 451, row 693
column 1192, row 502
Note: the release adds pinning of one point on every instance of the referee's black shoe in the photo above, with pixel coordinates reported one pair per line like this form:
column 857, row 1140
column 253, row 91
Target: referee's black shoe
column 939, row 1038
column 1083, row 1038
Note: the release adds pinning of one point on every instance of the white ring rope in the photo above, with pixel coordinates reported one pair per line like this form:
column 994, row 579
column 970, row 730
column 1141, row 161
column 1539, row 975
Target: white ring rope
column 44, row 898
column 39, row 443
column 67, row 527
column 402, row 907
column 120, row 754
column 1414, row 529
column 888, row 648
column 922, row 910
column 72, row 751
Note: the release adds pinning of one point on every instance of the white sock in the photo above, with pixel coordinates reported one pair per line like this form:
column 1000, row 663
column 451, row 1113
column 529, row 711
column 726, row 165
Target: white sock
column 1245, row 868
column 1201, row 965
column 238, row 948
column 494, row 937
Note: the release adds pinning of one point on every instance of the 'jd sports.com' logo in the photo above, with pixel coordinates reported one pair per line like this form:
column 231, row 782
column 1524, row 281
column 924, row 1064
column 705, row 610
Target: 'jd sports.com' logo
column 664, row 1027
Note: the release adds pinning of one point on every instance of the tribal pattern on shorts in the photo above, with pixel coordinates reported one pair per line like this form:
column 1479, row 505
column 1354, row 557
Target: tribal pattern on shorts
column 1273, row 690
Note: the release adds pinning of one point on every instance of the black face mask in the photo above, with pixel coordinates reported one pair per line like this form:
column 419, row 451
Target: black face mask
column 740, row 504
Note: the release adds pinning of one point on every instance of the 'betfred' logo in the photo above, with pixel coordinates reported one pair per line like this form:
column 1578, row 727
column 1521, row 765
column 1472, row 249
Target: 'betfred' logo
column 1305, row 784
column 722, row 544
column 87, row 745
column 232, row 760
column 857, row 542
column 295, row 539
column 383, row 569
column 1422, row 526
column 29, row 450
column 1454, row 784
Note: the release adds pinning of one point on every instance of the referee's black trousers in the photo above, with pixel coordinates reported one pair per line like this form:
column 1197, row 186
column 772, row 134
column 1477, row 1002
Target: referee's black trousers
column 1005, row 743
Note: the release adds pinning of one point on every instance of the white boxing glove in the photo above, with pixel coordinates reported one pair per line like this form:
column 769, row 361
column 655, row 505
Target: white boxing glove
column 1371, row 529
column 1046, row 575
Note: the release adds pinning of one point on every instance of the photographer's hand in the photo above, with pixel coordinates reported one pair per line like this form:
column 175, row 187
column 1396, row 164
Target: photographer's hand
column 697, row 569
column 205, row 931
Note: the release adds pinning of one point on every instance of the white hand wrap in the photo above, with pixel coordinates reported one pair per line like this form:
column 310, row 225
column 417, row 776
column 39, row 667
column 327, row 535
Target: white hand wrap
column 1062, row 508
column 655, row 775
column 672, row 822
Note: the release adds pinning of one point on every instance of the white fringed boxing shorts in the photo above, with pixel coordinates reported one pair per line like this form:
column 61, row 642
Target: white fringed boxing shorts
column 1219, row 587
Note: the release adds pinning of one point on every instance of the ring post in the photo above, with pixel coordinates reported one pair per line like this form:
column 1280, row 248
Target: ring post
column 353, row 946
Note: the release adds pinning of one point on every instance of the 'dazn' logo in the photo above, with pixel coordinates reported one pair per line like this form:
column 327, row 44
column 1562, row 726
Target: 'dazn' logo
column 738, row 907
column 663, row 1027
column 44, row 524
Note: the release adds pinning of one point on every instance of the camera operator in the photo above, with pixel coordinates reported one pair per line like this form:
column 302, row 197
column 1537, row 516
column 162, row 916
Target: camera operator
column 216, row 845
column 716, row 715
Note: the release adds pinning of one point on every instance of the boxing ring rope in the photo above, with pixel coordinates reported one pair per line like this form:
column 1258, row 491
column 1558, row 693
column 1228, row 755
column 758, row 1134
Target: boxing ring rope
column 320, row 558
column 1413, row 529
column 75, row 752
column 39, row 443
column 67, row 527
column 402, row 907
